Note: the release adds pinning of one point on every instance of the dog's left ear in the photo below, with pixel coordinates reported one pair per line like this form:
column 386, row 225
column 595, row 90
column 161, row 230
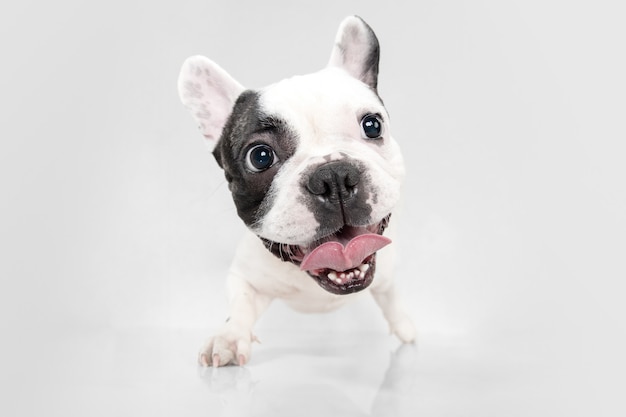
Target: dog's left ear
column 357, row 51
column 209, row 93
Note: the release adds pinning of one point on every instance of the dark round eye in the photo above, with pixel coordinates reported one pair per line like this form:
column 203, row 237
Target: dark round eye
column 371, row 127
column 260, row 158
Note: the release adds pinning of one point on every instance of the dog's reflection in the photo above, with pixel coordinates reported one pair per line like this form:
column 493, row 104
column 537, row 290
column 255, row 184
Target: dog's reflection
column 243, row 395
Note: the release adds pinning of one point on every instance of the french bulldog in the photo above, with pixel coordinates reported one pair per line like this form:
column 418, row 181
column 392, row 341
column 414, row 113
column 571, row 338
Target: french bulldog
column 315, row 175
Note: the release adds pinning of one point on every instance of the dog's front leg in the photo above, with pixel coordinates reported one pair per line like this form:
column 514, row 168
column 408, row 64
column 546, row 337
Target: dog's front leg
column 400, row 323
column 232, row 343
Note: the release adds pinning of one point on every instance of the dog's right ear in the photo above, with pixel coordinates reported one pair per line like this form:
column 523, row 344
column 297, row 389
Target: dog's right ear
column 209, row 93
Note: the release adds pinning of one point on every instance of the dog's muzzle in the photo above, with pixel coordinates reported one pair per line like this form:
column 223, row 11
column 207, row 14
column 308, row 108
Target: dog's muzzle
column 343, row 262
column 342, row 256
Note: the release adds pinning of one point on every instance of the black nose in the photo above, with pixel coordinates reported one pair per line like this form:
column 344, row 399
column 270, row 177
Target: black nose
column 334, row 182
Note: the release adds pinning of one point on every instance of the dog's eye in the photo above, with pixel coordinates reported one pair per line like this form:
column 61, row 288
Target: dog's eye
column 371, row 127
column 260, row 158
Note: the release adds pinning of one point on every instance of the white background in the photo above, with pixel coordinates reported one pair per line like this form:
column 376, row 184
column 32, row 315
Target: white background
column 116, row 226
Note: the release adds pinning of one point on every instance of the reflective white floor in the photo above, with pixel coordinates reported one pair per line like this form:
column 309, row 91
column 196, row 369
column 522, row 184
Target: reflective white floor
column 336, row 371
column 117, row 228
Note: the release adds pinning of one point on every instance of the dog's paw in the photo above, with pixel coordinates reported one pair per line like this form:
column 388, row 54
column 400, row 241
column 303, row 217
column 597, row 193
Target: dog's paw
column 227, row 347
column 404, row 329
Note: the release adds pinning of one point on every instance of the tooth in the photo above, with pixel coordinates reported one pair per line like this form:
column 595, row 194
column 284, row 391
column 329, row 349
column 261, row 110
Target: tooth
column 343, row 275
column 333, row 276
column 364, row 267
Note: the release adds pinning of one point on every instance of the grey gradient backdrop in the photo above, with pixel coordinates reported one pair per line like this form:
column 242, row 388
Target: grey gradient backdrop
column 116, row 226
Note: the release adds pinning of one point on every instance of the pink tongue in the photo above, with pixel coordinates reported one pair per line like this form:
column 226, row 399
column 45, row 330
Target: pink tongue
column 333, row 255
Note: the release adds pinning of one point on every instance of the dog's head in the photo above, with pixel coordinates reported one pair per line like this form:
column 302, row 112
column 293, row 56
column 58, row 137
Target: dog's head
column 310, row 161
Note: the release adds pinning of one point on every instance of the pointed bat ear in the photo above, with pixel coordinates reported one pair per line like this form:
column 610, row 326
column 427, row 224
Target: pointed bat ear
column 357, row 51
column 209, row 93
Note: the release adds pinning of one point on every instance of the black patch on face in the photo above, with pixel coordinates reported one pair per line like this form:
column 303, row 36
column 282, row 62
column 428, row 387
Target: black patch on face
column 337, row 195
column 248, row 126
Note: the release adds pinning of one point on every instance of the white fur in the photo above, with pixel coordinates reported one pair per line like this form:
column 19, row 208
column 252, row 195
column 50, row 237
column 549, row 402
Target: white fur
column 325, row 109
column 257, row 278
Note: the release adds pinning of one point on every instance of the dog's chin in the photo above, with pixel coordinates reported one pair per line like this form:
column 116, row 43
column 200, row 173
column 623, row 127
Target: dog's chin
column 346, row 282
column 356, row 278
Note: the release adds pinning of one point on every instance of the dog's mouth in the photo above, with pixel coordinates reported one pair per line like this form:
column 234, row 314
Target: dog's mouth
column 343, row 262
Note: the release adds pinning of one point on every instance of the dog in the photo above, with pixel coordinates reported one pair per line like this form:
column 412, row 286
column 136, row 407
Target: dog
column 315, row 175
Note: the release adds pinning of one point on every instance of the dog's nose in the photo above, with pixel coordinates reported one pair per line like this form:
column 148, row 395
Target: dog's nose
column 335, row 182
